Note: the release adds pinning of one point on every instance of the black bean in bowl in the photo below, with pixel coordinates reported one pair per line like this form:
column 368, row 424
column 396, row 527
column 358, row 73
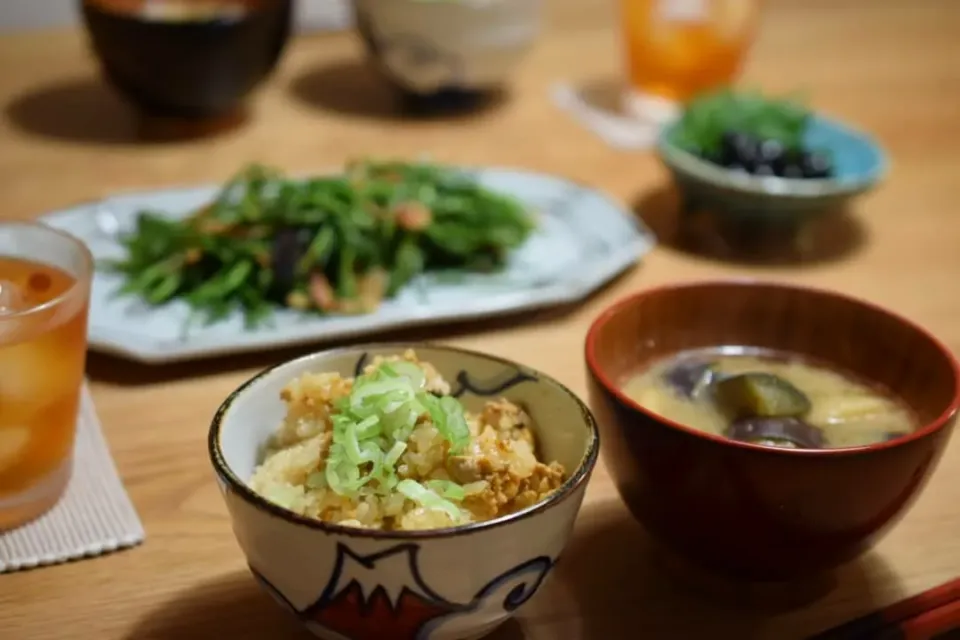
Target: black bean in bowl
column 754, row 155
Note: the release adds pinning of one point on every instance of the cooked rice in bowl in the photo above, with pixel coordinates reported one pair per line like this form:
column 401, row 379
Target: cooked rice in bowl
column 393, row 450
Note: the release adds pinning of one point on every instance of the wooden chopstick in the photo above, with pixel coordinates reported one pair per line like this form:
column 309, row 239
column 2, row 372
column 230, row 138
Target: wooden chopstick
column 920, row 617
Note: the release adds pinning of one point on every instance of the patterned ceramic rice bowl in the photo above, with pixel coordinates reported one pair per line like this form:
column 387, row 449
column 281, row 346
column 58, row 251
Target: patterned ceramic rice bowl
column 347, row 582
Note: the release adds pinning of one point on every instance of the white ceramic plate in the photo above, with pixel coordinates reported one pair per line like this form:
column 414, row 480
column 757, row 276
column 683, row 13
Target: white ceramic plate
column 583, row 240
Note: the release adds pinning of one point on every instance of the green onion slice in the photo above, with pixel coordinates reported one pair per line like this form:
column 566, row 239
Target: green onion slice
column 371, row 427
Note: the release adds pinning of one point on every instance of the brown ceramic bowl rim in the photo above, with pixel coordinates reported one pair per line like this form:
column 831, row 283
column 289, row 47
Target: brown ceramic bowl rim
column 576, row 479
column 926, row 430
column 107, row 7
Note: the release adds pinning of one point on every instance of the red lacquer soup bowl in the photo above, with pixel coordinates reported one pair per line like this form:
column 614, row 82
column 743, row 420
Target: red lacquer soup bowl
column 744, row 510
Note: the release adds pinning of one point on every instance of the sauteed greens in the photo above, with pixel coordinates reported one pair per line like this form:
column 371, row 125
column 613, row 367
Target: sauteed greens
column 332, row 244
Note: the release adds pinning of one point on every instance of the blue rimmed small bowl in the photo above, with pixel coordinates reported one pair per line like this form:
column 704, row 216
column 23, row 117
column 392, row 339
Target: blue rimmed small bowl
column 440, row 584
column 745, row 206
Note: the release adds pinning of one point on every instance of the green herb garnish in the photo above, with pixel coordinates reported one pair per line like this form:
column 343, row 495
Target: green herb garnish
column 706, row 119
column 336, row 244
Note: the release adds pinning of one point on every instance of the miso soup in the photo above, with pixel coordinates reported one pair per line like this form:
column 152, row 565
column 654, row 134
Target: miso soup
column 769, row 398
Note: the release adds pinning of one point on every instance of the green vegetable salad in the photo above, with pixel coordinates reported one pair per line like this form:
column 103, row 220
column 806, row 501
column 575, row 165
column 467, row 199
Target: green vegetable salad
column 334, row 244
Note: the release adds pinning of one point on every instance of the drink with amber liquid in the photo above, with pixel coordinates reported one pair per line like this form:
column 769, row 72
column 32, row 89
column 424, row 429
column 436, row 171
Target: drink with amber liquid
column 45, row 278
column 676, row 49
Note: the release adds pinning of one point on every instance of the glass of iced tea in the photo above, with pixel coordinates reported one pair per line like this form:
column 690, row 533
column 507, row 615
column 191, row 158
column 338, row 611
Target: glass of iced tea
column 45, row 279
column 676, row 49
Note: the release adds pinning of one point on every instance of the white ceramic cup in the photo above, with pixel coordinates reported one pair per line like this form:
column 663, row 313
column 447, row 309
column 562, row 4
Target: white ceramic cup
column 428, row 45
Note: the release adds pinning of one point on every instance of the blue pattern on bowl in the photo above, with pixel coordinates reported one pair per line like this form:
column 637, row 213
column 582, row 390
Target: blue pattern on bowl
column 857, row 157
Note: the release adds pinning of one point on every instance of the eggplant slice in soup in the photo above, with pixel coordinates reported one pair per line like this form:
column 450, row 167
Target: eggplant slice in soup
column 760, row 394
column 769, row 398
column 688, row 377
column 788, row 432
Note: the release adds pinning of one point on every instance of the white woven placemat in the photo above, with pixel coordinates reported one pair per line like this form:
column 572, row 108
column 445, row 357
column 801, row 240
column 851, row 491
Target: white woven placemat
column 94, row 516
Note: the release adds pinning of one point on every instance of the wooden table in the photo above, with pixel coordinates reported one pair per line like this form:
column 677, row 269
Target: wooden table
column 889, row 65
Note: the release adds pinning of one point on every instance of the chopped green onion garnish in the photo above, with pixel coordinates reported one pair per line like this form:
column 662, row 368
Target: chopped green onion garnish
column 428, row 498
column 448, row 416
column 371, row 427
column 411, row 372
column 394, row 454
column 447, row 489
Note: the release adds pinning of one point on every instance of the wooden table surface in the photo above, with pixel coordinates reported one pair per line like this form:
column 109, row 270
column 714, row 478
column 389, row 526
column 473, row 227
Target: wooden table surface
column 889, row 65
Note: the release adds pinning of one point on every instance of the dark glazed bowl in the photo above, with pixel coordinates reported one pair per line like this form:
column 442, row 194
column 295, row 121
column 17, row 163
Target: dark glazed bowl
column 198, row 68
column 746, row 511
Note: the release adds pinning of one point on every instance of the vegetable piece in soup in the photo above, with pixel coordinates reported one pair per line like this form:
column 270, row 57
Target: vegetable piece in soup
column 759, row 395
column 769, row 398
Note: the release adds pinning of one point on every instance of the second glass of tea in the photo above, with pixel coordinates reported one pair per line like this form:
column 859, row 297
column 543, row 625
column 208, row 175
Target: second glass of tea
column 45, row 280
column 676, row 49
